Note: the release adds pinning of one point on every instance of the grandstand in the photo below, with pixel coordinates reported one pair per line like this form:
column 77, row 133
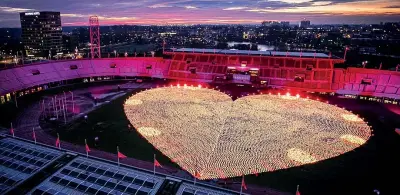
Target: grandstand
column 301, row 71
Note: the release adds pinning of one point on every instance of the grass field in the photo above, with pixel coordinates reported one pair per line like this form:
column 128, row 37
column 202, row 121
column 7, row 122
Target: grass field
column 356, row 172
column 110, row 125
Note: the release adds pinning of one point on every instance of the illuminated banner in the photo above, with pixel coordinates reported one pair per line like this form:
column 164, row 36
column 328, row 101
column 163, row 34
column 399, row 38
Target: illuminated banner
column 32, row 14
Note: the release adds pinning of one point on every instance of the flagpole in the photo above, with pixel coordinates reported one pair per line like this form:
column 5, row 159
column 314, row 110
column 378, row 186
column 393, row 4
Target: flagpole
column 59, row 142
column 12, row 130
column 44, row 109
column 194, row 180
column 345, row 52
column 195, row 173
column 87, row 152
column 34, row 135
column 241, row 185
column 118, row 155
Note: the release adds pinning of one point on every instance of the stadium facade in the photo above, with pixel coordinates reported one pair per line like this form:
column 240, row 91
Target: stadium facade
column 312, row 72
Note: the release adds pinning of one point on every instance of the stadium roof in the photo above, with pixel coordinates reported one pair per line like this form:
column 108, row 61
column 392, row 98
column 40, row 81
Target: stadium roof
column 191, row 189
column 250, row 52
column 20, row 160
column 84, row 175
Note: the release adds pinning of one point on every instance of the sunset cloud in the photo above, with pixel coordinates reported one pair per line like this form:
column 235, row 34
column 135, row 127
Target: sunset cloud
column 235, row 8
column 76, row 12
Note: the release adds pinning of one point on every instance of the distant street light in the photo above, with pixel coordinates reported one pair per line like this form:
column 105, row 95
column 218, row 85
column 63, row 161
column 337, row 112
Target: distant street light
column 364, row 63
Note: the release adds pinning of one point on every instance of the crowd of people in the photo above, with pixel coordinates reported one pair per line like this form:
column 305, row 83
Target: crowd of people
column 203, row 130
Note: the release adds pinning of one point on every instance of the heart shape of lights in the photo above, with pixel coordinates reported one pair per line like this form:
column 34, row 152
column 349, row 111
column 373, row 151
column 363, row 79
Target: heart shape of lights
column 203, row 130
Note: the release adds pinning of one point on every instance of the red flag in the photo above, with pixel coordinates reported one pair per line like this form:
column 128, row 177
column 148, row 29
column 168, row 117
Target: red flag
column 58, row 142
column 297, row 193
column 12, row 131
column 156, row 163
column 120, row 155
column 255, row 173
column 87, row 148
column 197, row 174
column 244, row 184
column 33, row 135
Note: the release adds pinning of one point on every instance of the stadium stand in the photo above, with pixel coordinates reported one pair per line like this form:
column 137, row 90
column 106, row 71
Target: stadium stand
column 279, row 69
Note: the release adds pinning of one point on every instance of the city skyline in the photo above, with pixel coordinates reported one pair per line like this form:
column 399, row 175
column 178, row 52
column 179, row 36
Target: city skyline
column 161, row 12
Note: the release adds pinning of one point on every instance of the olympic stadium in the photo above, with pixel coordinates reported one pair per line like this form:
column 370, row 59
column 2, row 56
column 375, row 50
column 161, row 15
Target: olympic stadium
column 276, row 119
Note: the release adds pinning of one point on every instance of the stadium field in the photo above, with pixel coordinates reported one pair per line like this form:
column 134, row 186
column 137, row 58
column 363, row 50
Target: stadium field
column 356, row 172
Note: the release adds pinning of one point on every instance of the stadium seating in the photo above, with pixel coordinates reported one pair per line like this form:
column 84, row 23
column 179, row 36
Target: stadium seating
column 318, row 74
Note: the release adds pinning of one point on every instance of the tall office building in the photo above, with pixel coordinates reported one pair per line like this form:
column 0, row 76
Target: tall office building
column 41, row 33
column 305, row 24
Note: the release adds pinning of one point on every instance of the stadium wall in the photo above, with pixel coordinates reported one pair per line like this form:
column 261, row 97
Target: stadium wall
column 278, row 71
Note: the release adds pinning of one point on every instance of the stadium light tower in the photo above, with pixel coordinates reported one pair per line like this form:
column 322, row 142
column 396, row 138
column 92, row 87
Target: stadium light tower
column 94, row 37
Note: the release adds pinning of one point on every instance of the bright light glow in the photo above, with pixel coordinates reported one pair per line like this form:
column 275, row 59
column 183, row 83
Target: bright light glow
column 351, row 117
column 204, row 130
column 353, row 139
column 288, row 97
column 301, row 156
column 132, row 102
column 149, row 131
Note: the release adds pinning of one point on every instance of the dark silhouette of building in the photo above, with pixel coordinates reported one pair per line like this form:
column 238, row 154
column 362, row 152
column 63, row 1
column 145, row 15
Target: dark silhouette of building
column 305, row 24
